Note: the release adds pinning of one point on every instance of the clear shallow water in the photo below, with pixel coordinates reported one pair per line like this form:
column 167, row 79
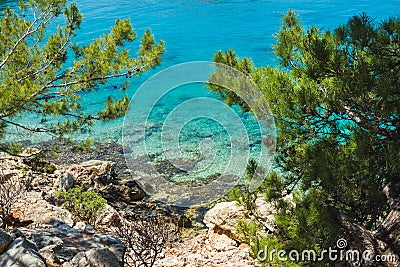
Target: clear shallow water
column 195, row 30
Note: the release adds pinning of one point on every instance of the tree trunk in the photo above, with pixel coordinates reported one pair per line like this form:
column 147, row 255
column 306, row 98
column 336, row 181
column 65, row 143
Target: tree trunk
column 364, row 236
column 385, row 238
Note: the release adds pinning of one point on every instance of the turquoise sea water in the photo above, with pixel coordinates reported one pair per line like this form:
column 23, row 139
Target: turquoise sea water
column 194, row 30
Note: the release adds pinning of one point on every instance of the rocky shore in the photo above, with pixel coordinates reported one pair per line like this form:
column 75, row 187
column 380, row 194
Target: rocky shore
column 43, row 233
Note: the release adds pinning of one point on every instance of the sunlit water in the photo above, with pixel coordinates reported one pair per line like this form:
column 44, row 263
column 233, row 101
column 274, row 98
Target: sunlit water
column 194, row 31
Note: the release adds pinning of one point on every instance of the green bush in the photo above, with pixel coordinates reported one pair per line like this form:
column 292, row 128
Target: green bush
column 243, row 197
column 86, row 205
column 241, row 193
column 83, row 146
column 38, row 161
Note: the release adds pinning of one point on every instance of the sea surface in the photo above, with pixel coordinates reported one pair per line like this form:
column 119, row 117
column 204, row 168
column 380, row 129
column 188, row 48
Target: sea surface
column 194, row 30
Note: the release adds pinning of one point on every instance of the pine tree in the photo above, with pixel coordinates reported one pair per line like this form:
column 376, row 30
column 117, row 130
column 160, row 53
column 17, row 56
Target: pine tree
column 44, row 71
column 336, row 99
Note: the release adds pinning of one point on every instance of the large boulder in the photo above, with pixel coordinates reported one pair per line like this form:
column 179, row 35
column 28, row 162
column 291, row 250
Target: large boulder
column 112, row 243
column 122, row 192
column 21, row 253
column 99, row 166
column 224, row 215
column 61, row 243
column 32, row 207
column 43, row 241
column 195, row 252
column 101, row 171
column 48, row 247
column 79, row 174
column 221, row 240
column 97, row 257
column 102, row 176
column 221, row 221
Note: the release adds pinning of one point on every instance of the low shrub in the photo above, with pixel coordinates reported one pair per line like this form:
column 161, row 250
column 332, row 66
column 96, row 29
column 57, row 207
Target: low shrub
column 86, row 205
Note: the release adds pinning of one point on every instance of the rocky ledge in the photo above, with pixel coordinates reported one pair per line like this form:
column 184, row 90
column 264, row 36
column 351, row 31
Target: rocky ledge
column 43, row 233
column 58, row 244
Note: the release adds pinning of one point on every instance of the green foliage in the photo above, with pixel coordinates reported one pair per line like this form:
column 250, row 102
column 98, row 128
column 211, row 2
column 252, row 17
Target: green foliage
column 54, row 150
column 12, row 148
column 273, row 187
column 45, row 71
column 335, row 97
column 84, row 146
column 251, row 168
column 241, row 193
column 248, row 232
column 115, row 109
column 244, row 65
column 86, row 205
column 243, row 197
column 37, row 162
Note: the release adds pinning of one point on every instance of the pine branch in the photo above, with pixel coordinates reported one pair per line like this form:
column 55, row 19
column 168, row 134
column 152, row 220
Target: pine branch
column 37, row 130
column 28, row 32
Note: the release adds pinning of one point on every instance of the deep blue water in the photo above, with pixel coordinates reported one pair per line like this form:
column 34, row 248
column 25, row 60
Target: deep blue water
column 194, row 30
